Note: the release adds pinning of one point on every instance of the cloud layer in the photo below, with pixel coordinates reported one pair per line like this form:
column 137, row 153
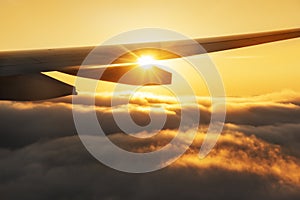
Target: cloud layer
column 256, row 157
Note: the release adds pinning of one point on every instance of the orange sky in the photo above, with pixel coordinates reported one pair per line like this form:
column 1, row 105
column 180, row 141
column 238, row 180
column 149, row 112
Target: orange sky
column 34, row 24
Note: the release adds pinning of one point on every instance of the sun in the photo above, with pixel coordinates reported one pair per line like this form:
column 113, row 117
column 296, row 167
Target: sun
column 146, row 61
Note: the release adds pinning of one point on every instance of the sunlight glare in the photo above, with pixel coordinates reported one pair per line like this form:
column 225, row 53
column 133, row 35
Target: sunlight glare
column 146, row 61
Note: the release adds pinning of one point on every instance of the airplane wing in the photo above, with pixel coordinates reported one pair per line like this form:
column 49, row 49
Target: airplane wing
column 21, row 78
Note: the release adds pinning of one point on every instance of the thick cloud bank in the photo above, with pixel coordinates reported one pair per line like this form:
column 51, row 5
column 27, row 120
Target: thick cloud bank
column 256, row 157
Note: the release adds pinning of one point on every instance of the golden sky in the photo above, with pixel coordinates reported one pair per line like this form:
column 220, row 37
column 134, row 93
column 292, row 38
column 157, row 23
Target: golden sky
column 34, row 24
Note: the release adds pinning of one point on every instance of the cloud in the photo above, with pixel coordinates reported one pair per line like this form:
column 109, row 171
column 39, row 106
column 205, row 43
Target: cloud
column 286, row 135
column 26, row 123
column 262, row 113
column 256, row 157
column 240, row 167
